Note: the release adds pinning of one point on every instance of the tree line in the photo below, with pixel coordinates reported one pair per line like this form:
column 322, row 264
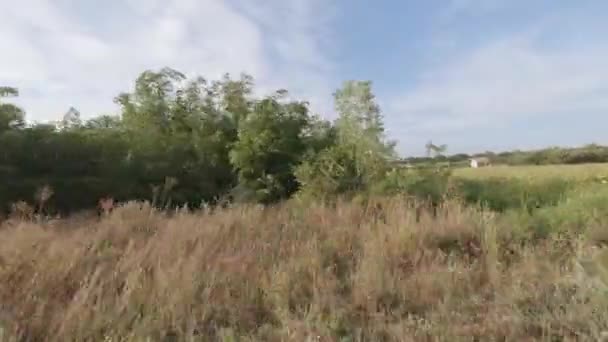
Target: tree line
column 591, row 153
column 181, row 140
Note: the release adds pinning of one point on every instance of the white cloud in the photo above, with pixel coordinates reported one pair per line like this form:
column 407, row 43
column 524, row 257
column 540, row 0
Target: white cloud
column 299, row 33
column 535, row 84
column 60, row 58
column 506, row 80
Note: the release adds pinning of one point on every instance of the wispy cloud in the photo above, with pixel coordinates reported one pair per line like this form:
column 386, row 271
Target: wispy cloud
column 298, row 33
column 65, row 53
column 505, row 80
column 520, row 76
column 476, row 65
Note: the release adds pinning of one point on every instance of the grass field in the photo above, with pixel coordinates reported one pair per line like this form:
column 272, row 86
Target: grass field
column 295, row 273
column 576, row 172
column 380, row 271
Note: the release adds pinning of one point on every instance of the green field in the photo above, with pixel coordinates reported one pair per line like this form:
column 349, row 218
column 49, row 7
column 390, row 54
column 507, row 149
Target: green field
column 575, row 172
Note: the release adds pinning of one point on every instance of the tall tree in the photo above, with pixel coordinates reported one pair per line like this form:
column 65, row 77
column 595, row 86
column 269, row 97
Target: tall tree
column 356, row 105
column 148, row 107
column 360, row 154
column 234, row 95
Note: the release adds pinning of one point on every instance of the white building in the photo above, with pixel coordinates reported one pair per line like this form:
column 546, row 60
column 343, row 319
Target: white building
column 479, row 162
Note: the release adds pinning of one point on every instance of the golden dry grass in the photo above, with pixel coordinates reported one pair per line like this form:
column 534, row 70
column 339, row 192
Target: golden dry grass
column 574, row 172
column 292, row 273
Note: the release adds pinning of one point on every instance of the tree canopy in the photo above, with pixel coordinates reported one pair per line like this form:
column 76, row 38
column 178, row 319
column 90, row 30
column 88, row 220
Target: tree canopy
column 195, row 140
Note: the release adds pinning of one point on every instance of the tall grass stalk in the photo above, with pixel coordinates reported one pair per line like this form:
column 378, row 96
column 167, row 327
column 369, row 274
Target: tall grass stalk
column 294, row 272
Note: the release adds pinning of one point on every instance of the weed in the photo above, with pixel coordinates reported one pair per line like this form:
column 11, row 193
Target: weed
column 294, row 272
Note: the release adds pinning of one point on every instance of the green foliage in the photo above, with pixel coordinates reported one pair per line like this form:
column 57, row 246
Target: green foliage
column 358, row 110
column 216, row 141
column 359, row 158
column 331, row 172
column 270, row 144
column 103, row 122
column 501, row 194
column 583, row 207
column 11, row 116
column 430, row 185
column 80, row 166
column 169, row 126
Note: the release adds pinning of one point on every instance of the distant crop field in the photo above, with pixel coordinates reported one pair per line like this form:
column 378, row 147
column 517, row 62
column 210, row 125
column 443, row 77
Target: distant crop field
column 576, row 172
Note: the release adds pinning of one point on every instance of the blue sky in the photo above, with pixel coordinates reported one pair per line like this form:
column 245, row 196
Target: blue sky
column 474, row 74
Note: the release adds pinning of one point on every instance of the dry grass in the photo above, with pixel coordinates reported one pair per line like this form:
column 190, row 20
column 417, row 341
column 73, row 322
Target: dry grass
column 575, row 172
column 292, row 273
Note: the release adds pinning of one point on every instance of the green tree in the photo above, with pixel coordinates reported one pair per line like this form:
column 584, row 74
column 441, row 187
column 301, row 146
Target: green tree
column 271, row 142
column 183, row 128
column 358, row 110
column 234, row 95
column 148, row 107
column 360, row 155
column 11, row 116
